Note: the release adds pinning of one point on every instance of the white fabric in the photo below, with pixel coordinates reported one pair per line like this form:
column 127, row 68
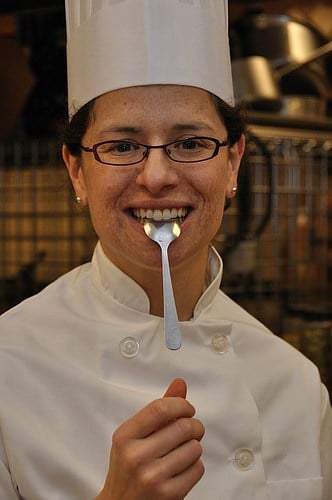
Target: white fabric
column 65, row 387
column 114, row 44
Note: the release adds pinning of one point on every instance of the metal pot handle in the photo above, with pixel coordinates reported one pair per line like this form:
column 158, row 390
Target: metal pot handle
column 322, row 51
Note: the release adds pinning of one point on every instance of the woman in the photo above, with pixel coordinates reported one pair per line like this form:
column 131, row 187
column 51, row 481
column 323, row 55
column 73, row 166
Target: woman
column 120, row 200
column 84, row 362
column 93, row 405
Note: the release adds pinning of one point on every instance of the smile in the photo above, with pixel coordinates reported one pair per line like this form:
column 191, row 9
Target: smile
column 161, row 215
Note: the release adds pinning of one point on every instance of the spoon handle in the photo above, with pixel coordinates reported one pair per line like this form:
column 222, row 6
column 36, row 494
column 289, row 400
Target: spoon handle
column 172, row 327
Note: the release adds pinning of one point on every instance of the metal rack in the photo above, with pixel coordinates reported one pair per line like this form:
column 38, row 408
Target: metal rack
column 288, row 180
column 42, row 232
column 277, row 246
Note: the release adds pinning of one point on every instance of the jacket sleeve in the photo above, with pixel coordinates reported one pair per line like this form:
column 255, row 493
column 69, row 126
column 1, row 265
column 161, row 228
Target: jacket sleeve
column 326, row 445
column 7, row 490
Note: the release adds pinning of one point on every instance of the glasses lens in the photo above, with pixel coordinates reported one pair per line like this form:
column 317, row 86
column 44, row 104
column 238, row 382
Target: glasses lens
column 192, row 149
column 120, row 152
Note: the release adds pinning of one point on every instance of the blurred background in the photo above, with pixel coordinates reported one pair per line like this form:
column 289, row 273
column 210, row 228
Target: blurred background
column 276, row 238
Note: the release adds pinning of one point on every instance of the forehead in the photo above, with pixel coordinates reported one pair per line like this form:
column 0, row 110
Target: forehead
column 156, row 106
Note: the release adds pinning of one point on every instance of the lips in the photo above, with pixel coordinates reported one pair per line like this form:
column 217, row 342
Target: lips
column 160, row 215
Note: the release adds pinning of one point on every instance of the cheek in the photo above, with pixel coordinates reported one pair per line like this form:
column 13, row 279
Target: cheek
column 214, row 201
column 216, row 187
column 104, row 187
column 101, row 196
column 216, row 209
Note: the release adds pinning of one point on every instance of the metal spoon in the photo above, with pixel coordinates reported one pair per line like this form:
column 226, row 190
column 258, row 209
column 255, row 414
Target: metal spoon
column 164, row 233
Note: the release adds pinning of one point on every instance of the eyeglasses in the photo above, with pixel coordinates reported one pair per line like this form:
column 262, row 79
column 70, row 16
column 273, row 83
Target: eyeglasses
column 124, row 153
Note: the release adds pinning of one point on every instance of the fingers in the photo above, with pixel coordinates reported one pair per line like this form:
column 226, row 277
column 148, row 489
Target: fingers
column 157, row 452
column 170, row 476
column 180, row 459
column 177, row 388
column 170, row 450
column 156, row 415
column 180, row 485
column 173, row 435
column 163, row 443
column 174, row 475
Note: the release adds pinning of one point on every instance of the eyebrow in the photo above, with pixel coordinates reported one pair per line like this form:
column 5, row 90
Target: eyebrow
column 195, row 126
column 122, row 128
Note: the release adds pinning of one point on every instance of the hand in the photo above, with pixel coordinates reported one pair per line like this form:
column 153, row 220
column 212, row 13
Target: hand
column 156, row 454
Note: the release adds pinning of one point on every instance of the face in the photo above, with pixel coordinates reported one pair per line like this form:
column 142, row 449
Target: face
column 116, row 196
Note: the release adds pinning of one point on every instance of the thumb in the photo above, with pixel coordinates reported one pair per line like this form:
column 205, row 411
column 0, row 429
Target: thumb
column 176, row 389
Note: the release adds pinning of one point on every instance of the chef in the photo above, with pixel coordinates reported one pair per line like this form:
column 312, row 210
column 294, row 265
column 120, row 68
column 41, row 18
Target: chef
column 93, row 403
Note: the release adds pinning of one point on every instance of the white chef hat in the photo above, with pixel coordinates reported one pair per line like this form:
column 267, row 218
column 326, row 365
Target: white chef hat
column 112, row 44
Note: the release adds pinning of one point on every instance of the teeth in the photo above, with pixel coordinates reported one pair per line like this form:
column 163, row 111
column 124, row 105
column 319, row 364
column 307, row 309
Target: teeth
column 160, row 215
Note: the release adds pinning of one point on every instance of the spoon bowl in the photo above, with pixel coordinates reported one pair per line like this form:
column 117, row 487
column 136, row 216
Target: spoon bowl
column 163, row 233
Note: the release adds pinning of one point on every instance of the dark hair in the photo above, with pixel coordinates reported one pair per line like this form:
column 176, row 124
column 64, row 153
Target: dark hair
column 232, row 116
column 76, row 128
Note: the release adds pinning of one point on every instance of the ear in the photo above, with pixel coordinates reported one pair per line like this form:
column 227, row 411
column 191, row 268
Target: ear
column 75, row 171
column 235, row 157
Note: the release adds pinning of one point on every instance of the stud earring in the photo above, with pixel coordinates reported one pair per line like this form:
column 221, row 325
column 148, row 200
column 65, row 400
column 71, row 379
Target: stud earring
column 78, row 200
column 234, row 189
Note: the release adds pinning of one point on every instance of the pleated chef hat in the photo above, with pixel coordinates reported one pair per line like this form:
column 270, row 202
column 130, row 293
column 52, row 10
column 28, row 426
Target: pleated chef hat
column 112, row 44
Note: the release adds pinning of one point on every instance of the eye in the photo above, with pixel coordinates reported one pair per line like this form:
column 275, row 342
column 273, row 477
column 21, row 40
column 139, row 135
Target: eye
column 120, row 152
column 121, row 147
column 194, row 145
column 189, row 144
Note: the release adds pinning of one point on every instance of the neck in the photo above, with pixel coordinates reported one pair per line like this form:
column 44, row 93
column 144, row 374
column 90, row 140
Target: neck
column 188, row 284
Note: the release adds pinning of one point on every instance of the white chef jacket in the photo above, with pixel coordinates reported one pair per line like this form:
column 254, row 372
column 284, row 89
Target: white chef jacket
column 84, row 355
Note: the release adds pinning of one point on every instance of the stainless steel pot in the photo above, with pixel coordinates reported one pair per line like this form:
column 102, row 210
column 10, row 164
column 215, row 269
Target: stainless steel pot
column 263, row 86
column 264, row 44
column 254, row 81
column 303, row 106
column 280, row 38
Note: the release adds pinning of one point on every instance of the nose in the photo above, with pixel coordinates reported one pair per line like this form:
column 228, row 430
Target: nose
column 157, row 172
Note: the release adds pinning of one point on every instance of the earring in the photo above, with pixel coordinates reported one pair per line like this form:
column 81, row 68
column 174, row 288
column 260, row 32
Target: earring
column 78, row 200
column 234, row 189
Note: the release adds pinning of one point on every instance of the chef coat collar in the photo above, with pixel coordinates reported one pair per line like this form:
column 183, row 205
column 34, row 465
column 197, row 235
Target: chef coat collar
column 123, row 289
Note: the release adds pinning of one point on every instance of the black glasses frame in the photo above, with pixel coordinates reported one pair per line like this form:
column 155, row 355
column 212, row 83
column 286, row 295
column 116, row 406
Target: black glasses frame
column 93, row 150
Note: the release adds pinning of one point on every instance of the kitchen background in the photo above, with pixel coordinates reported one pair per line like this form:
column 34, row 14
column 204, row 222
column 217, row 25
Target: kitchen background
column 276, row 237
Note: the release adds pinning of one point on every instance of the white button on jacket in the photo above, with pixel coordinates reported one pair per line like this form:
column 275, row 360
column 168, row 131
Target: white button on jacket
column 219, row 343
column 244, row 459
column 129, row 347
